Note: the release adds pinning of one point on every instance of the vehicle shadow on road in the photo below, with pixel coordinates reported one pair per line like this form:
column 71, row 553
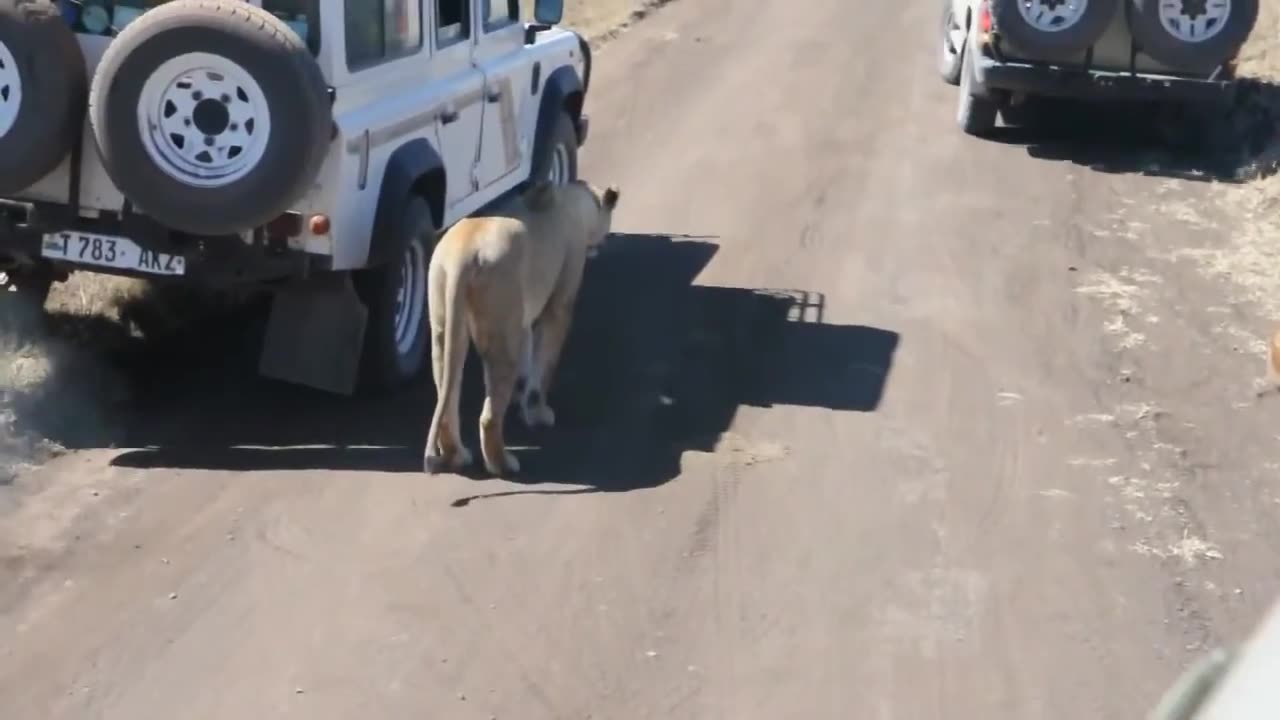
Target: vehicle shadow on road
column 1208, row 145
column 655, row 367
column 238, row 421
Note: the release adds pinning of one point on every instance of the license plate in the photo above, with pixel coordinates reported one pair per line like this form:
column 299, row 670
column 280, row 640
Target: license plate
column 110, row 251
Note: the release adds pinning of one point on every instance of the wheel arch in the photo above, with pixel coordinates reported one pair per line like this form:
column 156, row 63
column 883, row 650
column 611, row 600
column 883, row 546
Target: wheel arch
column 414, row 169
column 563, row 91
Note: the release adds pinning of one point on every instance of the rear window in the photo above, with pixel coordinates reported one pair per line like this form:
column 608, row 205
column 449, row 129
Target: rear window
column 108, row 17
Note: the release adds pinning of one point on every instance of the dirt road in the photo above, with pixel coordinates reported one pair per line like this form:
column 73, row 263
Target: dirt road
column 862, row 418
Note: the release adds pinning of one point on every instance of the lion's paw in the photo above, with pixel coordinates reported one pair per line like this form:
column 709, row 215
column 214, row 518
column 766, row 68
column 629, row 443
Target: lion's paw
column 539, row 416
column 535, row 411
column 435, row 463
column 509, row 465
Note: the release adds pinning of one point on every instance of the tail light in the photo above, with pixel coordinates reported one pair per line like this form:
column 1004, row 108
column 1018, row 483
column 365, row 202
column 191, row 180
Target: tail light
column 985, row 22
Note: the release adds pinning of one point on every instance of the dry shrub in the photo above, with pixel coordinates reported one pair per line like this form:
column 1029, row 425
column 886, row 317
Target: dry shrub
column 64, row 378
column 1251, row 257
column 1259, row 71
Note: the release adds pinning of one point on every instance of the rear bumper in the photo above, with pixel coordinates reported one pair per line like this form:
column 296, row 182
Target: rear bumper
column 1082, row 84
column 220, row 261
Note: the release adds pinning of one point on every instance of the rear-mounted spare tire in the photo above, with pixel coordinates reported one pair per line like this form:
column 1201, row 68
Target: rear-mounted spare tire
column 42, row 90
column 1192, row 36
column 1056, row 29
column 211, row 116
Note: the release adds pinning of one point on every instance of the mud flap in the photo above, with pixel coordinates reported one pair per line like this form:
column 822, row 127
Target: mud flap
column 315, row 335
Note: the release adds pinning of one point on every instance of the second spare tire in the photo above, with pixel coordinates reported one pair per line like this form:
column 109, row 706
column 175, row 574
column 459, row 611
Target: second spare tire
column 211, row 116
column 1055, row 29
column 1193, row 36
column 42, row 87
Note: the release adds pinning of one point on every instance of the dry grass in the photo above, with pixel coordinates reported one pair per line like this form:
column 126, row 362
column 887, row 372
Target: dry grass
column 1261, row 57
column 52, row 374
column 1251, row 259
column 596, row 17
column 600, row 20
column 1260, row 61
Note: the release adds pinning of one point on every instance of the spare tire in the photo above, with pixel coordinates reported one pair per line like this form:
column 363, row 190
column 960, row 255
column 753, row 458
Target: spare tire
column 42, row 90
column 211, row 116
column 1053, row 28
column 1194, row 36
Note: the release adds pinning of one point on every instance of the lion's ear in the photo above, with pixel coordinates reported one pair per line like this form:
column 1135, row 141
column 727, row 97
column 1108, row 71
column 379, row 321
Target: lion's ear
column 611, row 195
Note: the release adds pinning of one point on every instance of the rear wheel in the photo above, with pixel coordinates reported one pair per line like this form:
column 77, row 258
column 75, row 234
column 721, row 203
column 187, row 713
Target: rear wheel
column 395, row 293
column 42, row 90
column 950, row 52
column 558, row 161
column 1192, row 36
column 975, row 114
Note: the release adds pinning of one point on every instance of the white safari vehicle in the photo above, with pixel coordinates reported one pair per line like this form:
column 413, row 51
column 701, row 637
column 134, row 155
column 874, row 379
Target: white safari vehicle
column 313, row 147
column 1001, row 53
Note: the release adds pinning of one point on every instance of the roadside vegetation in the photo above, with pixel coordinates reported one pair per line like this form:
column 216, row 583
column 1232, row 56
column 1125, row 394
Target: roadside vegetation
column 1249, row 212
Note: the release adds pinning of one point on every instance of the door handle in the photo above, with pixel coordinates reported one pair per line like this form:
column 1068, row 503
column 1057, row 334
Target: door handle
column 493, row 96
column 449, row 116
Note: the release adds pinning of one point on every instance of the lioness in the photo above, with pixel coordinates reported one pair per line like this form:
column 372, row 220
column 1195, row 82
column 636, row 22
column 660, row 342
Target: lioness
column 508, row 281
column 1273, row 361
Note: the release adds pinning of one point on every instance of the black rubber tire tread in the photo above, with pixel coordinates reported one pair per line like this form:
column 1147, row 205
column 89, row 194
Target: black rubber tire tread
column 565, row 134
column 291, row 81
column 948, row 65
column 1196, row 58
column 381, row 365
column 1053, row 45
column 976, row 115
column 51, row 119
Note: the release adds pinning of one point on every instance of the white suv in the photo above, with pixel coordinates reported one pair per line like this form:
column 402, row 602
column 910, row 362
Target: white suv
column 1003, row 52
column 317, row 147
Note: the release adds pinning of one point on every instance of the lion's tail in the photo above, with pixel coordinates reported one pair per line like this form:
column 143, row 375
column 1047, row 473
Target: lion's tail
column 448, row 347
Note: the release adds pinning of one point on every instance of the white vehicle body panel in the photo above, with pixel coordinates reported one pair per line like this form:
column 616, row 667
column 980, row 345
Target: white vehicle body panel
column 376, row 110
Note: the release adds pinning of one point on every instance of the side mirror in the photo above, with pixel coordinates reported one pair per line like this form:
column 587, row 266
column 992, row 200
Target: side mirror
column 548, row 12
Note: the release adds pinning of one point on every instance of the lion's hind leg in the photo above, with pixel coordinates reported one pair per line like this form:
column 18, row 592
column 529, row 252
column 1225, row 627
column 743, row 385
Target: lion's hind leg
column 534, row 410
column 444, row 450
column 499, row 347
column 549, row 332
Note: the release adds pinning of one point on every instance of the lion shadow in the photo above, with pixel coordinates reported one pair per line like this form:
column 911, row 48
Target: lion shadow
column 666, row 369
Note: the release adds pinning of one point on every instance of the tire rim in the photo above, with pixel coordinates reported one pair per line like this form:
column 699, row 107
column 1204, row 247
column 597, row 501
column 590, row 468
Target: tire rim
column 10, row 90
column 411, row 297
column 559, row 173
column 204, row 120
column 1052, row 15
column 1194, row 21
